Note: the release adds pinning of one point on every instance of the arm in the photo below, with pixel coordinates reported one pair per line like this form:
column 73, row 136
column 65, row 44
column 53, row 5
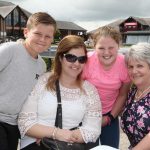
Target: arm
column 118, row 106
column 121, row 99
column 91, row 123
column 28, row 118
column 144, row 144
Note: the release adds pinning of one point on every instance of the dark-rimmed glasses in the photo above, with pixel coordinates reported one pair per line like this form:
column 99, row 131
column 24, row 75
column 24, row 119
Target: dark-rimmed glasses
column 73, row 58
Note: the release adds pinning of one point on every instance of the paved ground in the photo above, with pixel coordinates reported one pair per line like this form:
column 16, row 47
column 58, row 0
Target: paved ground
column 124, row 143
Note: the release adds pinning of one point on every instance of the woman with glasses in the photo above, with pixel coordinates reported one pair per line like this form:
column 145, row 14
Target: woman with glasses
column 80, row 101
column 106, row 70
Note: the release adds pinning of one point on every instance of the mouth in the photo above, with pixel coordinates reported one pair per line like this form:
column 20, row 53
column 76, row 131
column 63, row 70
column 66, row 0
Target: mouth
column 106, row 57
column 74, row 68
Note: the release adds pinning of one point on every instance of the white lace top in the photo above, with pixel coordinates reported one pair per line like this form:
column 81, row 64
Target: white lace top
column 77, row 107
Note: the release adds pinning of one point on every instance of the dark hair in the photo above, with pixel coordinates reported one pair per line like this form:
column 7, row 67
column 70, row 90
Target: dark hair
column 65, row 45
column 40, row 18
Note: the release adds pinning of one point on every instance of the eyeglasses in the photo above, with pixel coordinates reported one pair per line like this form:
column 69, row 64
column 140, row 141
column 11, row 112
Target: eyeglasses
column 73, row 58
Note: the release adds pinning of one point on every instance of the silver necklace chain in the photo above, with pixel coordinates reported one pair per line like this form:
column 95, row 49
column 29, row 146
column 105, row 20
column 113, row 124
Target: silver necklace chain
column 142, row 94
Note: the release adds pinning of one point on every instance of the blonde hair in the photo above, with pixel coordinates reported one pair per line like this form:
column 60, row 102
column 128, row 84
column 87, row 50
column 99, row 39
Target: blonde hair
column 107, row 31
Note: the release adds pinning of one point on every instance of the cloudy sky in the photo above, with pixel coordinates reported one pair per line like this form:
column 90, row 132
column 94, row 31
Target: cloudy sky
column 89, row 14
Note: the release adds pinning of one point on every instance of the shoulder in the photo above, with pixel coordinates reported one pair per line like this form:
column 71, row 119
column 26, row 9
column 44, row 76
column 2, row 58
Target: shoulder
column 44, row 78
column 91, row 55
column 8, row 46
column 92, row 59
column 121, row 61
column 120, row 58
column 89, row 88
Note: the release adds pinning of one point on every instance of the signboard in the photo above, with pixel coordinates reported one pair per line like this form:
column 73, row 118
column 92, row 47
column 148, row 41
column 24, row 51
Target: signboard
column 131, row 24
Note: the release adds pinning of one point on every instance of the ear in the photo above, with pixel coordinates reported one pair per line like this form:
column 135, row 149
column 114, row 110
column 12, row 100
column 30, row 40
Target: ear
column 25, row 32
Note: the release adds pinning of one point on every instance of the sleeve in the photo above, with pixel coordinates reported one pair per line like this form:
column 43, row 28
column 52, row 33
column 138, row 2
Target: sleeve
column 28, row 115
column 6, row 54
column 91, row 124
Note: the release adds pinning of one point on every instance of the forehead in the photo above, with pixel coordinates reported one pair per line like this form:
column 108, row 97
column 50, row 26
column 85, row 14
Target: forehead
column 106, row 40
column 43, row 28
column 77, row 51
column 133, row 61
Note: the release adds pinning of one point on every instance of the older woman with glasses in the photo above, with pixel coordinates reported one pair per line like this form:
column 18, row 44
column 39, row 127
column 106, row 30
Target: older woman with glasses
column 80, row 101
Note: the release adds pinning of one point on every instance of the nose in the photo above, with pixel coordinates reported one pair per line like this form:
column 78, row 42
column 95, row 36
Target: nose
column 77, row 62
column 106, row 51
column 42, row 38
column 134, row 70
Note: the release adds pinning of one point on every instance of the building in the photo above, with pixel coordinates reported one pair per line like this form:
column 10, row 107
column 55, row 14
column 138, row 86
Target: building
column 13, row 20
column 133, row 29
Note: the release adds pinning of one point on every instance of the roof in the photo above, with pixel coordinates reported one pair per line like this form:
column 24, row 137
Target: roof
column 69, row 25
column 143, row 21
column 5, row 10
column 7, row 7
column 115, row 24
column 137, row 32
column 4, row 3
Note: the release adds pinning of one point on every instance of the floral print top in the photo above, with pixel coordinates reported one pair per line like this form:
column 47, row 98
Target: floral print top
column 135, row 119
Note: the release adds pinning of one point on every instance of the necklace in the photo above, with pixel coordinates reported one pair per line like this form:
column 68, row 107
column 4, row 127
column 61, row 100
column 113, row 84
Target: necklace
column 140, row 96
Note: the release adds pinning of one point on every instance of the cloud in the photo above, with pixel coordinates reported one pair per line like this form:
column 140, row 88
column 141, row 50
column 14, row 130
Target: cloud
column 88, row 11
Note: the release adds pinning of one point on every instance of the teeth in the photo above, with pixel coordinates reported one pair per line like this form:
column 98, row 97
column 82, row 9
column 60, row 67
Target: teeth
column 106, row 57
column 74, row 68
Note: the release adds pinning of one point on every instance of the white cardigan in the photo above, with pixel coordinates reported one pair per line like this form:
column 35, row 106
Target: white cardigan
column 77, row 107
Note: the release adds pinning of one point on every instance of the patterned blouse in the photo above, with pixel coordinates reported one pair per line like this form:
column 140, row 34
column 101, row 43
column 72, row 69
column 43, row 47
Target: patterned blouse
column 77, row 106
column 135, row 119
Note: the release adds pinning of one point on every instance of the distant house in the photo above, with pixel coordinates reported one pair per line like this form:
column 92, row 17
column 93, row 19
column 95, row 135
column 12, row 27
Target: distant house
column 67, row 28
column 133, row 29
column 13, row 20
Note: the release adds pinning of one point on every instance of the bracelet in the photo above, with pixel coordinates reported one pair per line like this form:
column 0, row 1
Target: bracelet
column 111, row 117
column 107, row 121
column 54, row 131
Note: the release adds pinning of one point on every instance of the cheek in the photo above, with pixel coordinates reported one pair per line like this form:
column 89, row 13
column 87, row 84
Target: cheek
column 99, row 53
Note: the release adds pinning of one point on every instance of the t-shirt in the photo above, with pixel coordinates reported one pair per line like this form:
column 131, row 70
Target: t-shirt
column 19, row 72
column 108, row 82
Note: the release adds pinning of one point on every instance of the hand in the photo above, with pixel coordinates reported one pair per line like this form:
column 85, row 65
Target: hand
column 105, row 121
column 64, row 135
column 38, row 141
column 76, row 136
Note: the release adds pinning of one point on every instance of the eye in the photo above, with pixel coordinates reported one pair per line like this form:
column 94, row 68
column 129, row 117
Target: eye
column 110, row 48
column 101, row 48
column 38, row 34
column 140, row 66
column 130, row 67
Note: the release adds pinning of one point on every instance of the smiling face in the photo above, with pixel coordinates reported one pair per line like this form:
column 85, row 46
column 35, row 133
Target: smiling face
column 107, row 50
column 71, row 70
column 38, row 38
column 139, row 72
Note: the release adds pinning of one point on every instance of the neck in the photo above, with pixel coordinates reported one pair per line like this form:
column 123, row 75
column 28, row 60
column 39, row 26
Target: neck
column 142, row 88
column 68, row 83
column 30, row 50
